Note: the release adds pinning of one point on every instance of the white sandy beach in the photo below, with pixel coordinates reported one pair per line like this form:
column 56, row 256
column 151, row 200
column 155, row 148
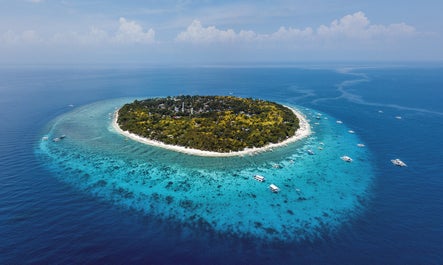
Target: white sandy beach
column 302, row 132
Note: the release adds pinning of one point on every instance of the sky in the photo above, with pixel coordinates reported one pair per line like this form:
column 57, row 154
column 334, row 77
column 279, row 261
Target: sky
column 211, row 32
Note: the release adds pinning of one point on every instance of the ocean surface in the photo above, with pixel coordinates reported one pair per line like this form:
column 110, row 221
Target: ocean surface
column 98, row 198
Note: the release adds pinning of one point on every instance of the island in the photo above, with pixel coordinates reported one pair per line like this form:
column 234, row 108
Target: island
column 210, row 125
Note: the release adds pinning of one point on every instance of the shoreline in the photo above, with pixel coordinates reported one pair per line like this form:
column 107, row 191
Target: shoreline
column 303, row 131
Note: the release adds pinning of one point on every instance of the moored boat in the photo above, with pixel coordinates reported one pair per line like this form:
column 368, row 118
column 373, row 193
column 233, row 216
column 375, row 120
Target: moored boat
column 58, row 139
column 276, row 166
column 398, row 162
column 274, row 188
column 346, row 158
column 259, row 178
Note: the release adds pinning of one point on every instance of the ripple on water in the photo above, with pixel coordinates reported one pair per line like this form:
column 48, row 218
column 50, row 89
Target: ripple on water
column 318, row 192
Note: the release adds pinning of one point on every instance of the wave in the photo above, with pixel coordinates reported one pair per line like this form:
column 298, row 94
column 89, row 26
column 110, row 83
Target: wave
column 358, row 99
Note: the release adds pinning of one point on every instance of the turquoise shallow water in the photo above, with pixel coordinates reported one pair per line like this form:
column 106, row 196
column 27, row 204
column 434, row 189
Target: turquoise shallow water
column 319, row 193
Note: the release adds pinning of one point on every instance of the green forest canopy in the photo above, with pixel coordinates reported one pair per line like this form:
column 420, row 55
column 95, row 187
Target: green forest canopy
column 210, row 123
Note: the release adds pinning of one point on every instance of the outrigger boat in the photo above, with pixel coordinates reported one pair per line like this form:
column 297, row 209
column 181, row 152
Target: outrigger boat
column 346, row 158
column 398, row 162
column 274, row 188
column 58, row 139
column 259, row 178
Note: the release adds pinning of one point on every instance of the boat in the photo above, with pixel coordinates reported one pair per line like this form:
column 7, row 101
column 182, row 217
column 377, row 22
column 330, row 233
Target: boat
column 398, row 162
column 360, row 145
column 45, row 138
column 346, row 158
column 276, row 166
column 259, row 178
column 351, row 131
column 310, row 152
column 274, row 188
column 398, row 117
column 339, row 122
column 58, row 139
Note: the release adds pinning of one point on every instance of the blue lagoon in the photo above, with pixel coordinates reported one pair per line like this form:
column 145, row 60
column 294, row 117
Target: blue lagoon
column 319, row 192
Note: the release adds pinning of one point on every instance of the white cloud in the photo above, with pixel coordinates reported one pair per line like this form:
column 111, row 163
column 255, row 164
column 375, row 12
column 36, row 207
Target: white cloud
column 348, row 31
column 355, row 26
column 358, row 26
column 26, row 37
column 128, row 32
column 95, row 36
column 291, row 33
column 30, row 36
column 197, row 33
column 132, row 32
column 9, row 37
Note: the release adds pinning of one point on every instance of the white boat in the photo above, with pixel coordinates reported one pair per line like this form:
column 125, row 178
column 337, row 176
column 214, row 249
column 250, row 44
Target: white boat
column 58, row 139
column 398, row 117
column 346, row 158
column 351, row 131
column 310, row 152
column 398, row 162
column 45, row 138
column 274, row 188
column 276, row 166
column 339, row 122
column 360, row 145
column 259, row 178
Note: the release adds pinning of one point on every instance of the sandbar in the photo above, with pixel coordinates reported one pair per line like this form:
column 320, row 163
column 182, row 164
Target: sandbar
column 303, row 131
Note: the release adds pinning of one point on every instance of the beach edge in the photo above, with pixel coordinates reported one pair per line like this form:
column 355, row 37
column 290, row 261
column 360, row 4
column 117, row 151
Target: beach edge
column 302, row 132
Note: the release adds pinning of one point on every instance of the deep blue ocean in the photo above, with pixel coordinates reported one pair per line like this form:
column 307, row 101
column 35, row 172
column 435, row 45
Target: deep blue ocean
column 396, row 111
